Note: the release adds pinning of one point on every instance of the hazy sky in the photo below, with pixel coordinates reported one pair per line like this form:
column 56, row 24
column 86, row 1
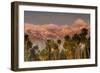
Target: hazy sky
column 34, row 17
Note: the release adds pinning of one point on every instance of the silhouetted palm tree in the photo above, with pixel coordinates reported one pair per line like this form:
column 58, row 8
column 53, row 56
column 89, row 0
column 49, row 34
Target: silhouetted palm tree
column 48, row 47
column 84, row 40
column 84, row 31
column 83, row 34
column 76, row 37
column 59, row 41
column 66, row 37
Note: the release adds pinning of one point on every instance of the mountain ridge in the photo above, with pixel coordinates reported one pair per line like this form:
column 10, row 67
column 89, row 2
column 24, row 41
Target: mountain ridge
column 54, row 31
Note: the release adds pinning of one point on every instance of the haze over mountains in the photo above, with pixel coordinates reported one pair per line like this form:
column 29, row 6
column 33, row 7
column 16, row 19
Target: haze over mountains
column 54, row 31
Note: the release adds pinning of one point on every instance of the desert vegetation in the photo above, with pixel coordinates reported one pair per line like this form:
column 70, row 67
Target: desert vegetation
column 69, row 47
column 57, row 42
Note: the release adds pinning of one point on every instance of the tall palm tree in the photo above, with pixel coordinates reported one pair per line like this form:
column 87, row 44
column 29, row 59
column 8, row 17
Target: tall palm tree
column 48, row 47
column 83, row 40
column 68, row 47
column 34, row 53
column 28, row 45
column 83, row 34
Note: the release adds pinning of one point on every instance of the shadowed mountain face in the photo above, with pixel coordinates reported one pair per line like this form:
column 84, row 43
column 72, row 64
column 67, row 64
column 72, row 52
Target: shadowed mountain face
column 54, row 31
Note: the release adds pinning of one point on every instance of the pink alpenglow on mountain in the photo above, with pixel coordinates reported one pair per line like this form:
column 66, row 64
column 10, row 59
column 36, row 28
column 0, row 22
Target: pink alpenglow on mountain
column 54, row 31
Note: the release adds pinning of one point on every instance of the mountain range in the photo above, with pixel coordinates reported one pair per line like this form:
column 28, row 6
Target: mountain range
column 54, row 31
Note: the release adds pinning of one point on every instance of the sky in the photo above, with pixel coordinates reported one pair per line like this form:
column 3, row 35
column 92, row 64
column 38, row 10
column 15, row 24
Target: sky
column 34, row 17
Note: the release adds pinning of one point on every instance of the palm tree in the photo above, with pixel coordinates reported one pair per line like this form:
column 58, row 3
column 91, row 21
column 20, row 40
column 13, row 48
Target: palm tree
column 62, row 55
column 34, row 53
column 76, row 37
column 66, row 37
column 66, row 42
column 59, row 41
column 84, row 41
column 43, row 55
column 83, row 34
column 87, row 47
column 48, row 47
column 84, row 31
column 56, row 51
column 28, row 45
column 68, row 46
